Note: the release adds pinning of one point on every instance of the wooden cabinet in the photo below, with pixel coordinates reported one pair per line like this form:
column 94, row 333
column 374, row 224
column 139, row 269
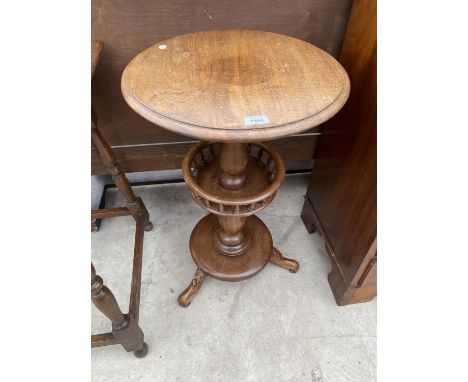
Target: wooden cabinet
column 341, row 199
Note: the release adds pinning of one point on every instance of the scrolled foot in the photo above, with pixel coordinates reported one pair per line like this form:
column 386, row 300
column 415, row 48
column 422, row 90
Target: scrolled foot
column 278, row 259
column 186, row 296
column 142, row 352
column 148, row 226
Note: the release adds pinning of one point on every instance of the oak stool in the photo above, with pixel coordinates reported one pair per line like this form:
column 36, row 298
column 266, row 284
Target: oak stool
column 125, row 328
column 233, row 89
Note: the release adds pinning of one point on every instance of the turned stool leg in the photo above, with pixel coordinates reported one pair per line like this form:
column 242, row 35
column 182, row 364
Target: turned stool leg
column 186, row 296
column 134, row 204
column 124, row 326
column 278, row 259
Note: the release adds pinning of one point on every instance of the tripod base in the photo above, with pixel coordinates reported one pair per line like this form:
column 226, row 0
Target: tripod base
column 223, row 266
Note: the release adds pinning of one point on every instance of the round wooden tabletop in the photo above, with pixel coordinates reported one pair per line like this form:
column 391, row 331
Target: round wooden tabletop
column 235, row 85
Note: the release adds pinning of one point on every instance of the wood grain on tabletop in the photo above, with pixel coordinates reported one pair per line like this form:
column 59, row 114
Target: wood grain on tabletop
column 204, row 84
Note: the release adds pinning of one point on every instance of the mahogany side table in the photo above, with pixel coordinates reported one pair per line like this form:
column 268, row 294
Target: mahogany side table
column 233, row 89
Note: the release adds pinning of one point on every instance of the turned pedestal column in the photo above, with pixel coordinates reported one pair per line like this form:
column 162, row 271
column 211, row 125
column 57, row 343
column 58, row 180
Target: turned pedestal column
column 232, row 181
column 231, row 90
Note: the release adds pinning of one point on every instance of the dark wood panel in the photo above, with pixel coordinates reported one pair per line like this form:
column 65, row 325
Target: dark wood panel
column 127, row 27
column 342, row 189
column 168, row 156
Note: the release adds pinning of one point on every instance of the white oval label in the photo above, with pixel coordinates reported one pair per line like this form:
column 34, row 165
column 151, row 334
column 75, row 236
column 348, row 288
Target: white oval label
column 256, row 120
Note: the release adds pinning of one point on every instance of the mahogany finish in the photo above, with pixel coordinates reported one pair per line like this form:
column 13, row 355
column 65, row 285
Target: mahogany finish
column 125, row 328
column 237, row 87
column 207, row 83
column 223, row 263
column 128, row 27
column 341, row 200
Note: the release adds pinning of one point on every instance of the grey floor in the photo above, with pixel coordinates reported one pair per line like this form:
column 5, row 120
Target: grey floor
column 277, row 326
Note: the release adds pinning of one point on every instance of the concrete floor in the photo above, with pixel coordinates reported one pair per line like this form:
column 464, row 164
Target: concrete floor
column 277, row 326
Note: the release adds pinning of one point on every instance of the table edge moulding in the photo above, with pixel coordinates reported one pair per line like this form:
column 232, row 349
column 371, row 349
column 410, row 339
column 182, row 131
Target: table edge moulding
column 239, row 132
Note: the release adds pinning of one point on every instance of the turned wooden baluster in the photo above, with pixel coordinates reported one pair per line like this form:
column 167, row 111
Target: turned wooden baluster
column 124, row 326
column 134, row 204
column 104, row 300
column 231, row 238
